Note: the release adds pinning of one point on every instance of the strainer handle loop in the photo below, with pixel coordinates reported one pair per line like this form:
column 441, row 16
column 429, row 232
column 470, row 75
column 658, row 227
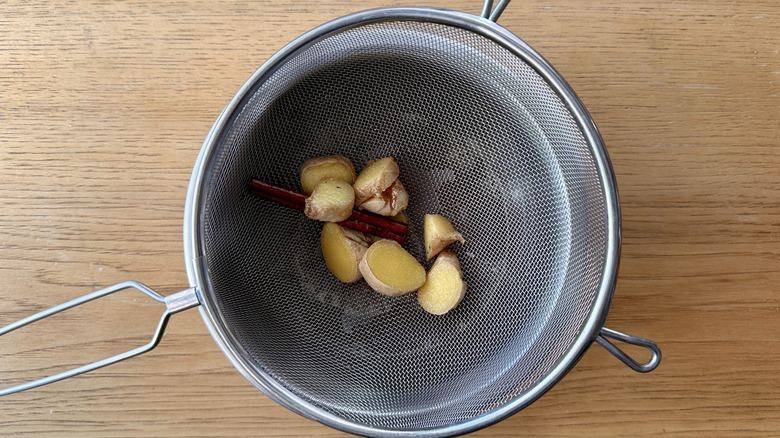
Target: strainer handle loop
column 174, row 303
column 634, row 340
column 491, row 13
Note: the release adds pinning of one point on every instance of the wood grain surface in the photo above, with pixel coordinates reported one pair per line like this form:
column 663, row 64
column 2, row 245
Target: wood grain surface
column 104, row 106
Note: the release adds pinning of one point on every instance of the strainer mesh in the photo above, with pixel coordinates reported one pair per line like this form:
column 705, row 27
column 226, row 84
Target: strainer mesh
column 481, row 138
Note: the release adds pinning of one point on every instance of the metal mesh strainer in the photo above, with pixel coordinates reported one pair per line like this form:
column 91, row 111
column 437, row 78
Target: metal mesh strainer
column 481, row 138
column 486, row 133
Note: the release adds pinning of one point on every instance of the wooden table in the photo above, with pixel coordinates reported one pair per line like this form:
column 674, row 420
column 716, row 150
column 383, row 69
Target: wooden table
column 104, row 105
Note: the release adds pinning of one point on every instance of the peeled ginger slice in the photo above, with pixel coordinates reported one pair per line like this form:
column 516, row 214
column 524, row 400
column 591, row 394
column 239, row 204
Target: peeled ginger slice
column 316, row 170
column 331, row 201
column 391, row 270
column 342, row 249
column 375, row 178
column 438, row 233
column 444, row 287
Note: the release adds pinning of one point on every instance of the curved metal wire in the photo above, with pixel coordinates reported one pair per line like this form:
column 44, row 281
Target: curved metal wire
column 496, row 12
column 486, row 8
column 174, row 303
column 633, row 340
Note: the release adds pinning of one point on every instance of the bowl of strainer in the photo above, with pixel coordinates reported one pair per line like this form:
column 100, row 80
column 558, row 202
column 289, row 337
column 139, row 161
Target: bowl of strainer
column 487, row 133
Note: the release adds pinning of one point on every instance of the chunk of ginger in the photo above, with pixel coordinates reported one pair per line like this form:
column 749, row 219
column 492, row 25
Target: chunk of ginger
column 342, row 249
column 391, row 270
column 444, row 287
column 375, row 178
column 316, row 170
column 331, row 201
column 400, row 217
column 391, row 202
column 438, row 233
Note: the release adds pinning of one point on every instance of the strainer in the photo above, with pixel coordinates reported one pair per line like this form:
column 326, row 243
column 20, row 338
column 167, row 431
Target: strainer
column 485, row 132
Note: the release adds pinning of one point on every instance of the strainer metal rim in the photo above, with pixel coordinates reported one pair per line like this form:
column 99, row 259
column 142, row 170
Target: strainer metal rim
column 193, row 218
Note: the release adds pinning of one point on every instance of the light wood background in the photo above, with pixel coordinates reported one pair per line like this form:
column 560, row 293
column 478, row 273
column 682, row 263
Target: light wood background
column 104, row 105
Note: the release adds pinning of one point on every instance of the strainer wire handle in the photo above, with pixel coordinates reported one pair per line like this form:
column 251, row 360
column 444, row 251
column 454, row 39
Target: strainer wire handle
column 486, row 9
column 634, row 340
column 492, row 14
column 174, row 303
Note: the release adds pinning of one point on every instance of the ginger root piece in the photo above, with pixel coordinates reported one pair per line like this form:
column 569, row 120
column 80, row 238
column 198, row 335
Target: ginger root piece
column 375, row 178
column 444, row 287
column 438, row 233
column 331, row 201
column 342, row 249
column 392, row 201
column 316, row 170
column 390, row 270
column 400, row 217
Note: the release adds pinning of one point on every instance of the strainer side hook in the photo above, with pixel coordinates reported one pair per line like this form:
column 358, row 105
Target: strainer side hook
column 633, row 340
